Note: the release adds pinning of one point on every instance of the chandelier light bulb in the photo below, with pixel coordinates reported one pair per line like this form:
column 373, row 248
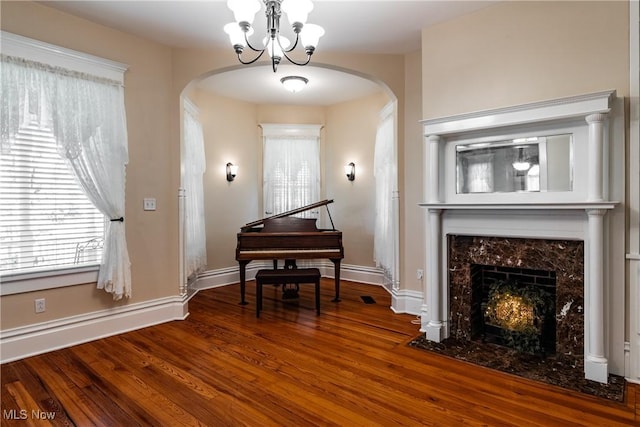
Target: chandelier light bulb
column 310, row 36
column 236, row 35
column 244, row 10
column 297, row 10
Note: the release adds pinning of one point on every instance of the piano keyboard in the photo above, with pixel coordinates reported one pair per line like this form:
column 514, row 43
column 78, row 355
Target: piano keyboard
column 290, row 251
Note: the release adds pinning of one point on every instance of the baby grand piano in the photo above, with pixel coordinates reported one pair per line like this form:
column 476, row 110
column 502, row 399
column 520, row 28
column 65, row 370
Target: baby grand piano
column 286, row 237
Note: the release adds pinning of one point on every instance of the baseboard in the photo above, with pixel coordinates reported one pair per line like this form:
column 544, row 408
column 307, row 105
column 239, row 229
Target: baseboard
column 226, row 276
column 402, row 301
column 31, row 340
column 406, row 302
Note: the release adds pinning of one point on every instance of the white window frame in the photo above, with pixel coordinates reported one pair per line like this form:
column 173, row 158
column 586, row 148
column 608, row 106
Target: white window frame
column 35, row 50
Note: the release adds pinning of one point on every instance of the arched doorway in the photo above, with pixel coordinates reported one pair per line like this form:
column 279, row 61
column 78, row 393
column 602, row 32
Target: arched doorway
column 234, row 103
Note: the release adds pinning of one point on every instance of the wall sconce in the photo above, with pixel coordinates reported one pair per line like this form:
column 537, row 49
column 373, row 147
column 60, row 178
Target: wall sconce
column 232, row 171
column 350, row 171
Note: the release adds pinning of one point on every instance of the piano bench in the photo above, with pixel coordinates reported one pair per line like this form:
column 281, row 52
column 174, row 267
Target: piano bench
column 280, row 276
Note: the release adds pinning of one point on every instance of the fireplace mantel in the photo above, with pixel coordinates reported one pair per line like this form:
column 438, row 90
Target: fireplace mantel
column 568, row 206
column 581, row 213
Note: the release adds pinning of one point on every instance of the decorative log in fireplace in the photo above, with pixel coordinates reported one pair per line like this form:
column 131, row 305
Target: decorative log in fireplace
column 480, row 264
column 514, row 308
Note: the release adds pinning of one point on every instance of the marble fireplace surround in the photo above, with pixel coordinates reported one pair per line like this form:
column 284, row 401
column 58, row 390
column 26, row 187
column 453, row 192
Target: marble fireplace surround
column 581, row 214
column 564, row 257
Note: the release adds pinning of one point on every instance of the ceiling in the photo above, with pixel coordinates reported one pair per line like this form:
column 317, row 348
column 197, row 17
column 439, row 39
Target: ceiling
column 357, row 26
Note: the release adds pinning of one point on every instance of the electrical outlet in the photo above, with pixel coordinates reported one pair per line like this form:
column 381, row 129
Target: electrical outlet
column 40, row 305
column 149, row 204
column 419, row 274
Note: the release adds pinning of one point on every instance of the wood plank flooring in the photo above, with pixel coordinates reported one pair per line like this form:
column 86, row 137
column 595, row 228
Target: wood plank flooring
column 350, row 366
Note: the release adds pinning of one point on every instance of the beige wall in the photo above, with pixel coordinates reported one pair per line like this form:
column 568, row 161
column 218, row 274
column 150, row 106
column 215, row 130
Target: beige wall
column 518, row 52
column 230, row 134
column 153, row 162
column 412, row 243
column 350, row 137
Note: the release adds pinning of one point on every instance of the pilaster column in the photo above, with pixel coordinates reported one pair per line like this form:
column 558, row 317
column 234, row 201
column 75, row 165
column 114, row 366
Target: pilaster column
column 434, row 169
column 595, row 364
column 184, row 280
column 596, row 124
column 435, row 327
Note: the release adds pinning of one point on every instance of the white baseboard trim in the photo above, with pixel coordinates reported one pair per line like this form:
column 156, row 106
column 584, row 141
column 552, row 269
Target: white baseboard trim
column 25, row 341
column 31, row 340
column 402, row 301
column 230, row 275
column 406, row 302
column 359, row 273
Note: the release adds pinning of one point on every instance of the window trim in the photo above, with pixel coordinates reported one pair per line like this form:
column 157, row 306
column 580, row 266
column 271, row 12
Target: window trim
column 46, row 53
column 271, row 129
column 19, row 283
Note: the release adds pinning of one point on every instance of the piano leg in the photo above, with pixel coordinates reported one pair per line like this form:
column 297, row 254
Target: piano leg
column 243, row 276
column 336, row 274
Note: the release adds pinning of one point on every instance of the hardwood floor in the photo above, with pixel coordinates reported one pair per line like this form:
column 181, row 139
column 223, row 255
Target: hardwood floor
column 348, row 367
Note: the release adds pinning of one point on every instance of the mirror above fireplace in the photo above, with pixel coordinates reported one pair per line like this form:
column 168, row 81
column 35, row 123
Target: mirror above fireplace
column 520, row 164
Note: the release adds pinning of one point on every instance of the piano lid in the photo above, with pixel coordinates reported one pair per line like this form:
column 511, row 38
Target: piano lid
column 289, row 213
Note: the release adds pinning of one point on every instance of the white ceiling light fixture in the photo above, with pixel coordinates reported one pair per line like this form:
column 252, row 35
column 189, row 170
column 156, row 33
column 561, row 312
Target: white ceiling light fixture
column 294, row 83
column 278, row 46
column 521, row 164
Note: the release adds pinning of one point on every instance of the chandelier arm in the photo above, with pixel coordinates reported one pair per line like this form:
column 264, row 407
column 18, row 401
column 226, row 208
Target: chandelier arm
column 297, row 63
column 246, row 39
column 292, row 47
column 253, row 60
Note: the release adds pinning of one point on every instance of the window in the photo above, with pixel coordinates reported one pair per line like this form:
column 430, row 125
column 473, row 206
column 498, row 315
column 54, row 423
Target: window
column 291, row 168
column 46, row 221
column 63, row 153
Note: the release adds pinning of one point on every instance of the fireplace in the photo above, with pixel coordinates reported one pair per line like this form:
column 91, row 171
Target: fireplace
column 539, row 269
column 514, row 307
column 568, row 219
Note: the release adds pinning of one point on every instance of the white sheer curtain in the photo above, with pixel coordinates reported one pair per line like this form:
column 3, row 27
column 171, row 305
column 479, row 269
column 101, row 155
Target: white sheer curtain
column 195, row 166
column 88, row 118
column 480, row 176
column 291, row 168
column 385, row 174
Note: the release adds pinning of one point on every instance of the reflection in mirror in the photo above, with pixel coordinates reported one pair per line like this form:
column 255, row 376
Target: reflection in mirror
column 521, row 164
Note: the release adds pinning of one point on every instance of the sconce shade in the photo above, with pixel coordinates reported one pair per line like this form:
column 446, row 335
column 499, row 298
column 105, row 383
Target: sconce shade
column 350, row 171
column 232, row 171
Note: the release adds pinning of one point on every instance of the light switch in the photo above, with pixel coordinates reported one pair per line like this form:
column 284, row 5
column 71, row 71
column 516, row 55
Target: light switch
column 149, row 204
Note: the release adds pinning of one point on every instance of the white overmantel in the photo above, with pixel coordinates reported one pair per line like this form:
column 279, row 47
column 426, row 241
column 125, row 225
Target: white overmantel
column 582, row 213
column 568, row 206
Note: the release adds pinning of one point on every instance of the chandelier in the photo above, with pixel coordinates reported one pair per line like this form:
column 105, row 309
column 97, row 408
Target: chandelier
column 277, row 46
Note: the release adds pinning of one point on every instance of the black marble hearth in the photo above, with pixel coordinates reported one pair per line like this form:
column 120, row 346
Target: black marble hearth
column 555, row 370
